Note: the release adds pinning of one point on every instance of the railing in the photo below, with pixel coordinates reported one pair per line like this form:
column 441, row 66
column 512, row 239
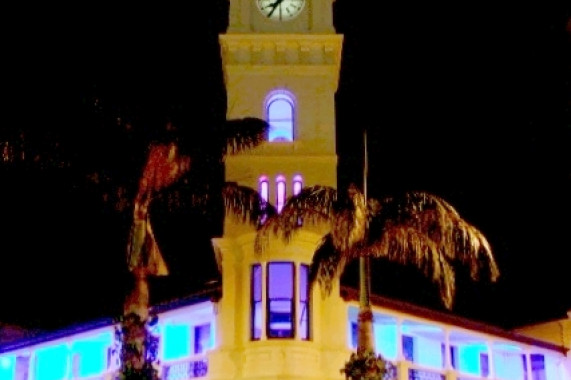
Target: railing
column 186, row 369
column 107, row 375
column 100, row 377
column 423, row 374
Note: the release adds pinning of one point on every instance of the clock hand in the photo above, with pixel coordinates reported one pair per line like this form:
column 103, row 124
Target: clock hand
column 274, row 5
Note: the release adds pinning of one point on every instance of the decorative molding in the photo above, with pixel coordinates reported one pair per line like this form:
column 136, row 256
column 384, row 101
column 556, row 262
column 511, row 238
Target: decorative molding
column 281, row 49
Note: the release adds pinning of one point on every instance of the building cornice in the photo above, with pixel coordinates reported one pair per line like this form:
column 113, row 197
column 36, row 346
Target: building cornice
column 350, row 294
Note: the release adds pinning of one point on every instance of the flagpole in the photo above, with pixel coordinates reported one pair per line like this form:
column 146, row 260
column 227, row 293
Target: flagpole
column 364, row 265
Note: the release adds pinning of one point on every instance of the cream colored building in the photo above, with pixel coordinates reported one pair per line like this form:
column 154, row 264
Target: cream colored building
column 556, row 331
column 264, row 323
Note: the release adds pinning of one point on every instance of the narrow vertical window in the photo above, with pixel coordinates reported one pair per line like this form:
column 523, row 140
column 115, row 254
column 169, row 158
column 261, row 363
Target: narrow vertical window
column 280, row 300
column 280, row 192
column 297, row 184
column 304, row 302
column 202, row 338
column 354, row 335
column 280, row 116
column 264, row 191
column 484, row 365
column 454, row 356
column 408, row 347
column 264, row 188
column 256, row 323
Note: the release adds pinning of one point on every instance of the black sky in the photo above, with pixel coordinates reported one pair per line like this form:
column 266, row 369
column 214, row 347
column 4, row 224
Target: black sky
column 470, row 102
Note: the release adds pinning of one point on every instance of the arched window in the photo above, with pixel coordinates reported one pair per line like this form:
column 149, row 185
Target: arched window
column 264, row 191
column 280, row 192
column 280, row 107
column 297, row 184
column 264, row 188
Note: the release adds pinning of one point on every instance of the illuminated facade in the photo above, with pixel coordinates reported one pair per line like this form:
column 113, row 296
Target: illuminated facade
column 264, row 322
column 281, row 334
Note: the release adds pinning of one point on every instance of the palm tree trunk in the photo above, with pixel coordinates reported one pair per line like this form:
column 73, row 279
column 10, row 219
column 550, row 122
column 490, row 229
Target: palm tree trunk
column 136, row 364
column 365, row 336
column 137, row 301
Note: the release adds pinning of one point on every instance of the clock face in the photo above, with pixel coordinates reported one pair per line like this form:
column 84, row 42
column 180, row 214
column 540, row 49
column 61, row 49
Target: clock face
column 280, row 10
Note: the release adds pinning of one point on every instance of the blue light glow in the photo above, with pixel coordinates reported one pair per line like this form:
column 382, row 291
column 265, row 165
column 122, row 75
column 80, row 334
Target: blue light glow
column 7, row 367
column 90, row 355
column 52, row 362
column 386, row 340
column 177, row 341
column 469, row 359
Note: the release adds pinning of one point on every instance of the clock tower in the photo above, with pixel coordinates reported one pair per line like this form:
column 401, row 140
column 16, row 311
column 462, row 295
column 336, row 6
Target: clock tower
column 284, row 70
column 281, row 61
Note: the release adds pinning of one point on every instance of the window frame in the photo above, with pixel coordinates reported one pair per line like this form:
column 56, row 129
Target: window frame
column 304, row 335
column 254, row 301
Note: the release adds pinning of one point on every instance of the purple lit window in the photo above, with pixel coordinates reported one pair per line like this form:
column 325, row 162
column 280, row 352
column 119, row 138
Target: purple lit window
column 484, row 365
column 256, row 296
column 537, row 367
column 280, row 192
column 264, row 188
column 202, row 338
column 297, row 184
column 22, row 366
column 280, row 111
column 304, row 302
column 280, row 300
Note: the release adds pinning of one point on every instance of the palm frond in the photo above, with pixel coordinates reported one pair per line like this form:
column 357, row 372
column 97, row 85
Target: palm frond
column 454, row 237
column 311, row 206
column 326, row 265
column 164, row 166
column 245, row 204
column 350, row 226
column 243, row 134
column 407, row 245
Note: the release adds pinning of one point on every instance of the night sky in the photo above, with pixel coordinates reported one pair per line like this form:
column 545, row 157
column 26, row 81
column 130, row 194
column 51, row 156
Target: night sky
column 470, row 103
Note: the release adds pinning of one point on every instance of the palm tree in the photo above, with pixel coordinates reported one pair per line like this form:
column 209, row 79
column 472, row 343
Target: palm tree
column 415, row 228
column 164, row 167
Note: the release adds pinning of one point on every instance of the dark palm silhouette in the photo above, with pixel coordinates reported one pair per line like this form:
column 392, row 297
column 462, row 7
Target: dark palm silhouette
column 166, row 166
